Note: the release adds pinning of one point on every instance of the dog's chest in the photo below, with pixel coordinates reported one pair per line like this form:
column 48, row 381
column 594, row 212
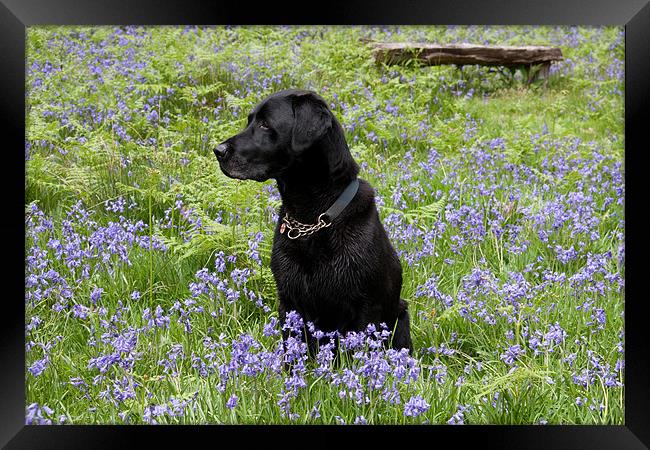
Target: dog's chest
column 313, row 269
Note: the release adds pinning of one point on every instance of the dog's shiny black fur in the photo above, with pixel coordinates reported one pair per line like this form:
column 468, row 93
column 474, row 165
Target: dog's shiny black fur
column 343, row 277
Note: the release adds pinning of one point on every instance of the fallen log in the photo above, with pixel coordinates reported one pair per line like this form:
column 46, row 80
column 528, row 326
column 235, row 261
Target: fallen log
column 461, row 54
column 465, row 54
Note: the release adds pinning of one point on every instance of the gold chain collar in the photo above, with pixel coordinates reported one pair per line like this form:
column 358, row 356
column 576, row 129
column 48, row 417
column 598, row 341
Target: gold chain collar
column 297, row 229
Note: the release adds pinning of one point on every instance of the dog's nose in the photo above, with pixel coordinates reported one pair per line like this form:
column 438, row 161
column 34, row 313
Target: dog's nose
column 221, row 150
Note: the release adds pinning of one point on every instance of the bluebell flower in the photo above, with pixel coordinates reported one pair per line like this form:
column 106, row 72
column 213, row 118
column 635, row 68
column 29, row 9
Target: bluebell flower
column 37, row 415
column 39, row 366
column 271, row 327
column 96, row 294
column 232, row 402
column 80, row 311
column 512, row 354
column 415, row 406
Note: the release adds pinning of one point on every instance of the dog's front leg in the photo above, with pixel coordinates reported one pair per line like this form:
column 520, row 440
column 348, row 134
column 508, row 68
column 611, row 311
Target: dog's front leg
column 305, row 336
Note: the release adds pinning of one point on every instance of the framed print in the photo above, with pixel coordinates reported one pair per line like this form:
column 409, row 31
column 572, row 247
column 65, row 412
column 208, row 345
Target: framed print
column 416, row 219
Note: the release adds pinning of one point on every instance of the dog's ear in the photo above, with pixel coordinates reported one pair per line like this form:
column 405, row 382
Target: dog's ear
column 311, row 120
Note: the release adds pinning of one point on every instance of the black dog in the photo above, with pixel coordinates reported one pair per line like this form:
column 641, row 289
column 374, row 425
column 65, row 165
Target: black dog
column 339, row 272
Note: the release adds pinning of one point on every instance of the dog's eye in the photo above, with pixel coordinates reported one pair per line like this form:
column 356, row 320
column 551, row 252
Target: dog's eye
column 263, row 125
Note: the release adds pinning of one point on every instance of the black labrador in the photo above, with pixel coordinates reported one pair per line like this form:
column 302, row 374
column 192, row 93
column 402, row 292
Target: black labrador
column 340, row 272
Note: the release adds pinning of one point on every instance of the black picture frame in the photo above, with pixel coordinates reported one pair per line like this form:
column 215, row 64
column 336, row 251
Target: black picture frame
column 16, row 15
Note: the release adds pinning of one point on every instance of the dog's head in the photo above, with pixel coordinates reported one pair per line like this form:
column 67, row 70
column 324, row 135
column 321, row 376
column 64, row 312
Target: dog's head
column 279, row 130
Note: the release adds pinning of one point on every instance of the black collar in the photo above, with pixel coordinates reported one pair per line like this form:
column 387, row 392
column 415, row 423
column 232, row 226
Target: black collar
column 344, row 200
column 297, row 229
